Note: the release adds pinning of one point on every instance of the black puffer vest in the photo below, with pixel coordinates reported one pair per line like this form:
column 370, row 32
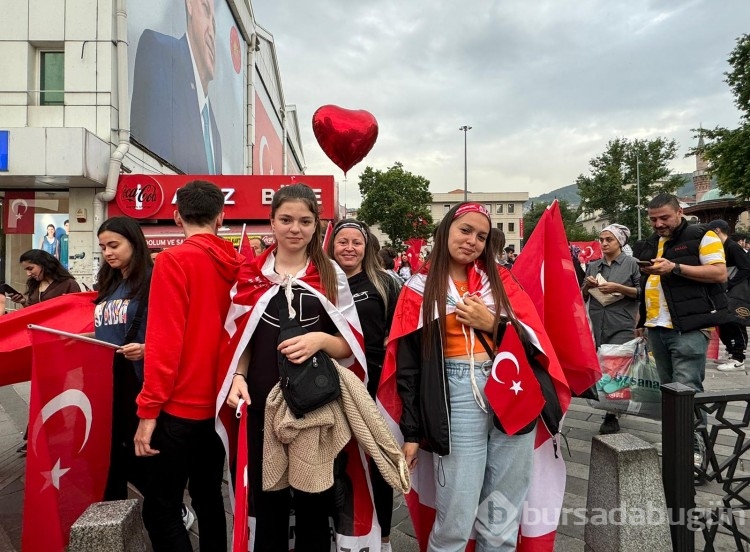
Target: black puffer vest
column 692, row 305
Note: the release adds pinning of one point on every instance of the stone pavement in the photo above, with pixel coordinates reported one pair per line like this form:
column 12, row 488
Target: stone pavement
column 582, row 423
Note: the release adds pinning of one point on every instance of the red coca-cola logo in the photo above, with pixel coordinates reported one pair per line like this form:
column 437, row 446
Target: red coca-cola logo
column 140, row 197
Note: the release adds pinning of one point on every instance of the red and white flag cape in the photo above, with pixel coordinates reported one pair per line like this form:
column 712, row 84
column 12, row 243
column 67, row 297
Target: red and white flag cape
column 545, row 270
column 407, row 319
column 257, row 284
column 72, row 313
column 70, row 423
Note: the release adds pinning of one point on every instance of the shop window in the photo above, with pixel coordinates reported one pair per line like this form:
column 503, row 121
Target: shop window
column 51, row 78
column 499, row 209
column 511, row 208
column 511, row 227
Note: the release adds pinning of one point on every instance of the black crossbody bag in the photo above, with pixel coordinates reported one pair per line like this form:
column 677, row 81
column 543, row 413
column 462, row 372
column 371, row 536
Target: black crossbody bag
column 552, row 411
column 309, row 385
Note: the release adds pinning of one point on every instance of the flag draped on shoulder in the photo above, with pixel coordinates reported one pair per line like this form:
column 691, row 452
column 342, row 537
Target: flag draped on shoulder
column 73, row 312
column 407, row 319
column 545, row 270
column 70, row 423
column 257, row 285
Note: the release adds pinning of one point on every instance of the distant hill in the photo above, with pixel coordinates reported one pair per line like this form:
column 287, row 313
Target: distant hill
column 570, row 193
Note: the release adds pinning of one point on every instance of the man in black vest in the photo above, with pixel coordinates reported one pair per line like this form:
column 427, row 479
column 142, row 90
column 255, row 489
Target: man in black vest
column 683, row 294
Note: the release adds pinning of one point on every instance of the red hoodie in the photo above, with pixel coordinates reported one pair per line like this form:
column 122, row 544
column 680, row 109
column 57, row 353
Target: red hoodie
column 187, row 308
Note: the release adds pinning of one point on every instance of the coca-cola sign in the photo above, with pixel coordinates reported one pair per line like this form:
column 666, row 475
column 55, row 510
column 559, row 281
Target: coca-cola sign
column 140, row 197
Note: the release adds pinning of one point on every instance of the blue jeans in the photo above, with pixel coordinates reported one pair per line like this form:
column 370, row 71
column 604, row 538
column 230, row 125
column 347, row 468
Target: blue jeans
column 680, row 356
column 483, row 482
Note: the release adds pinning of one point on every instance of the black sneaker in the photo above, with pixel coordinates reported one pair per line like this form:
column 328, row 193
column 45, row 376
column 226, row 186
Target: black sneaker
column 609, row 425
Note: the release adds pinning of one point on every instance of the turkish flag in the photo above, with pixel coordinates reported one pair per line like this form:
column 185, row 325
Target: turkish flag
column 70, row 422
column 545, row 270
column 241, row 532
column 73, row 312
column 512, row 388
column 590, row 251
column 245, row 248
column 415, row 246
column 19, row 212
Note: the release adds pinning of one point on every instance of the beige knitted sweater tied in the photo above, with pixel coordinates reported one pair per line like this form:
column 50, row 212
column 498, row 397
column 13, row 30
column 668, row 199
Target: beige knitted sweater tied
column 299, row 452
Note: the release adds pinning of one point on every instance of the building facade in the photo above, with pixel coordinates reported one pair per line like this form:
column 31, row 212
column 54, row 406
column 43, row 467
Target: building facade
column 506, row 209
column 95, row 90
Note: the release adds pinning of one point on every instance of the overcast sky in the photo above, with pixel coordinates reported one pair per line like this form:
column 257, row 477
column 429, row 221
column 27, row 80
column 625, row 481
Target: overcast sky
column 544, row 84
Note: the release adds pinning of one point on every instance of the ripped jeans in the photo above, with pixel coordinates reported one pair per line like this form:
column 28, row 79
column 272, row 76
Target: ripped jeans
column 483, row 482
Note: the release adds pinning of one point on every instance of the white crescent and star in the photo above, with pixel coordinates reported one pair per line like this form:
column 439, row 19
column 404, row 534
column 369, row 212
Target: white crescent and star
column 504, row 355
column 16, row 205
column 264, row 146
column 68, row 398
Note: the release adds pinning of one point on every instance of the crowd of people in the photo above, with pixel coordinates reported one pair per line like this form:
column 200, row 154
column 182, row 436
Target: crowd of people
column 173, row 356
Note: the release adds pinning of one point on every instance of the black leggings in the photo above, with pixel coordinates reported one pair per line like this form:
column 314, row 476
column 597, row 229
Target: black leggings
column 271, row 509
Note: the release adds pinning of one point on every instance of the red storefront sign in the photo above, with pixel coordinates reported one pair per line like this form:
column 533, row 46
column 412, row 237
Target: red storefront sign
column 246, row 197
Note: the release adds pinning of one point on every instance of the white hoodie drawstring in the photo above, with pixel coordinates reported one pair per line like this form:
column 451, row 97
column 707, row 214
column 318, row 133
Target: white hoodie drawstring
column 287, row 283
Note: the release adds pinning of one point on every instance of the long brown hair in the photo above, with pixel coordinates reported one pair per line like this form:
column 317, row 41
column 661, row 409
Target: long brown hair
column 302, row 192
column 436, row 285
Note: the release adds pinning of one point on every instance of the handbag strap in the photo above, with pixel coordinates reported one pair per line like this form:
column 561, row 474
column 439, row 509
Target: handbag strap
column 137, row 321
column 484, row 343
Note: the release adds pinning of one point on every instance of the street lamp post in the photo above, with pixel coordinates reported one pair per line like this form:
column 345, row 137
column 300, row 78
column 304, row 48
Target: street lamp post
column 638, row 190
column 465, row 129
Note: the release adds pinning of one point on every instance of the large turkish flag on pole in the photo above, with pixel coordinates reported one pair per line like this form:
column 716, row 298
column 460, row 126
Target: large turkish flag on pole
column 545, row 270
column 70, row 422
column 19, row 212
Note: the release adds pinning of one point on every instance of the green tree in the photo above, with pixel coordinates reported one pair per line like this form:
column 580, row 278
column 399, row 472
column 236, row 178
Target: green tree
column 611, row 187
column 397, row 200
column 573, row 230
column 727, row 152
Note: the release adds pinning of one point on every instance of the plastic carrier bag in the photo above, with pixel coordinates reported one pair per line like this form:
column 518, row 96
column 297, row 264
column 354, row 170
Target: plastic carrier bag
column 630, row 383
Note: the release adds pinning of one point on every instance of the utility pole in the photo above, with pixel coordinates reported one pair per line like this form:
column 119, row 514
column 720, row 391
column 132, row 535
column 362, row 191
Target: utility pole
column 465, row 130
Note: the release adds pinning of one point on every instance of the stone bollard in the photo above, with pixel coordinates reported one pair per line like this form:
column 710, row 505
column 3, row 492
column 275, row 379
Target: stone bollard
column 626, row 507
column 109, row 527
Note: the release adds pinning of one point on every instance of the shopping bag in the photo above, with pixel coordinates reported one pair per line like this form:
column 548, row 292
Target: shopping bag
column 630, row 382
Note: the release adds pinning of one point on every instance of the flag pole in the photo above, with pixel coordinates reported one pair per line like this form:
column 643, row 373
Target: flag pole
column 74, row 336
column 244, row 225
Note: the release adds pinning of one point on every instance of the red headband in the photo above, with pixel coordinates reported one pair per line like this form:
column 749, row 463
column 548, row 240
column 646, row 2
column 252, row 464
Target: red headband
column 472, row 208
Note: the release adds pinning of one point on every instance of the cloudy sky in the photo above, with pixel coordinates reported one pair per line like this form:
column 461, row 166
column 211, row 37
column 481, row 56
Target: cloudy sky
column 545, row 84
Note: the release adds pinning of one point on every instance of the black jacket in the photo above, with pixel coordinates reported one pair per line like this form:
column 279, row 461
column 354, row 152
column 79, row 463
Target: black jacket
column 692, row 305
column 422, row 386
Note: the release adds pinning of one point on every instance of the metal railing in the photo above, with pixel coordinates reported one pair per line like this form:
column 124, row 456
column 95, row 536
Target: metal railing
column 683, row 415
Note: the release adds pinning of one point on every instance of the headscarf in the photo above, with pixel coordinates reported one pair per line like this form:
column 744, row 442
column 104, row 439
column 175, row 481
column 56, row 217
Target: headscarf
column 620, row 232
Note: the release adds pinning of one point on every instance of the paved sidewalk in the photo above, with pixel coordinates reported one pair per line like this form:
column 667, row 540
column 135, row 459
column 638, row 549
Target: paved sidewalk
column 582, row 423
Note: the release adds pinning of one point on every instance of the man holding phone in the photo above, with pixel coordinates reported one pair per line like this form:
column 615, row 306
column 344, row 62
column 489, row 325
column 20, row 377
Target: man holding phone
column 682, row 295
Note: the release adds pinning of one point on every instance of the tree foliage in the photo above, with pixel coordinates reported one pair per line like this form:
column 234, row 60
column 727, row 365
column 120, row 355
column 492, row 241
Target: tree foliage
column 573, row 230
column 727, row 151
column 397, row 200
column 611, row 188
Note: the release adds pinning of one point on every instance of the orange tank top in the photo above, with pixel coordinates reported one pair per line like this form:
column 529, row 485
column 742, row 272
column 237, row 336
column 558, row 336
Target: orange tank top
column 456, row 345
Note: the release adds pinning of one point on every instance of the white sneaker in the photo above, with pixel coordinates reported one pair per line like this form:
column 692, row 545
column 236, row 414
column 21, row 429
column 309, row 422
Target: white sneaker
column 188, row 517
column 385, row 546
column 731, row 366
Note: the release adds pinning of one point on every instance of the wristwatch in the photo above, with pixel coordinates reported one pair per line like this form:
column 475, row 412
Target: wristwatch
column 677, row 271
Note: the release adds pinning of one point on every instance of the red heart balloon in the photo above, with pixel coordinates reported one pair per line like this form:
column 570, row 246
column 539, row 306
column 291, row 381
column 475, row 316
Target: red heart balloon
column 345, row 135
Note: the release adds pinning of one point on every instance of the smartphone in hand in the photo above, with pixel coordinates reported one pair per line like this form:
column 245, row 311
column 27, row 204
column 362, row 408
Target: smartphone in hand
column 8, row 290
column 645, row 263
